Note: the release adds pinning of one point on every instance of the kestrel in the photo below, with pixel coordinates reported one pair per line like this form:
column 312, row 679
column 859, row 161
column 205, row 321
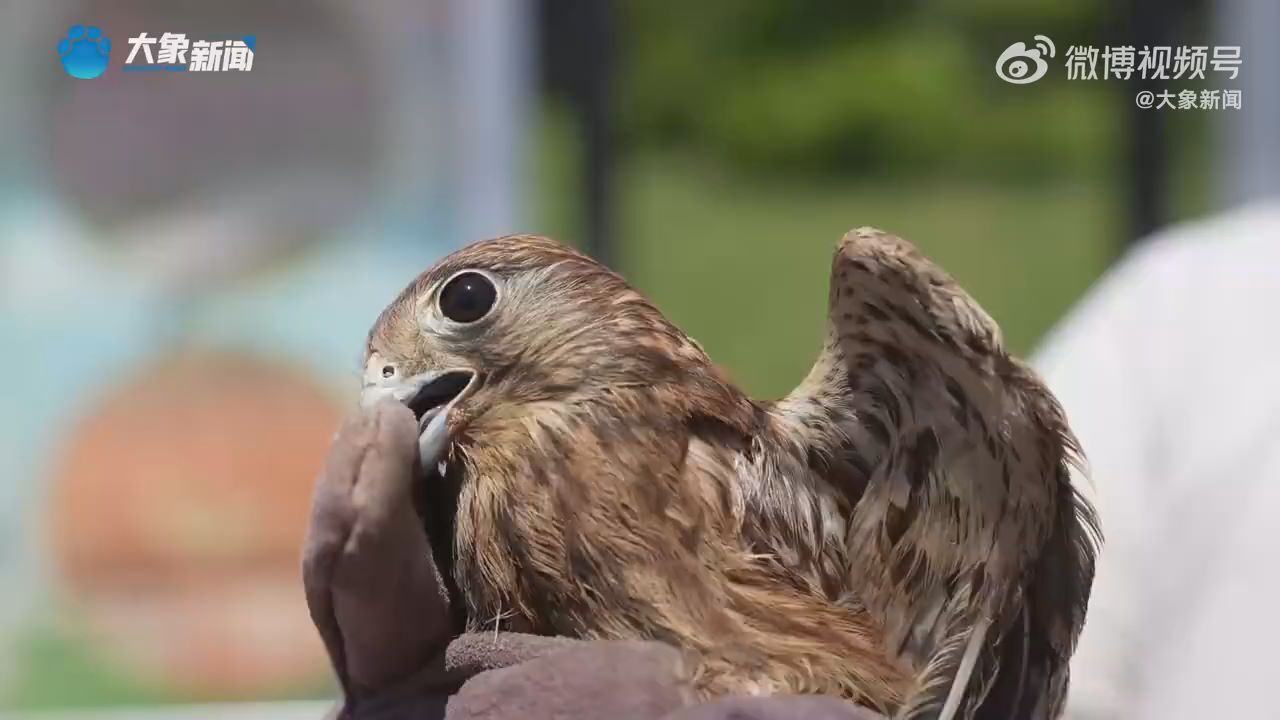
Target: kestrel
column 900, row 530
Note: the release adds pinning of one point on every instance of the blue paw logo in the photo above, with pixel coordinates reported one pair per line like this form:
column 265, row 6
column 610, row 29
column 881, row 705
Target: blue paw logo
column 84, row 52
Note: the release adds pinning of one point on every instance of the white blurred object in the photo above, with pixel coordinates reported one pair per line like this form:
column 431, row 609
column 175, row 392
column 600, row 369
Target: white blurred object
column 1168, row 374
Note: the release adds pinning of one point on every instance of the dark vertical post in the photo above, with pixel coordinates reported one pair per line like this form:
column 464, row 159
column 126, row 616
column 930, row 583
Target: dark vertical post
column 595, row 113
column 1149, row 24
column 579, row 59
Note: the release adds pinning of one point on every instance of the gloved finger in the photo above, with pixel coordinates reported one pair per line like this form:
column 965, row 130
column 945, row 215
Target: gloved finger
column 327, row 532
column 619, row 680
column 796, row 707
column 423, row 697
column 373, row 589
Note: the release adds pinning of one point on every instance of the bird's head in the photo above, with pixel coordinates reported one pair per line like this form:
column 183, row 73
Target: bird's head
column 518, row 325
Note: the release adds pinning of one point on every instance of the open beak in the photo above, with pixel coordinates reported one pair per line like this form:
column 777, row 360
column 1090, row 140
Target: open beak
column 430, row 395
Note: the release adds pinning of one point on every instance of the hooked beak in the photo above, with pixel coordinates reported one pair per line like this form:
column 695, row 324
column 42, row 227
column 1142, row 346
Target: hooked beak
column 430, row 395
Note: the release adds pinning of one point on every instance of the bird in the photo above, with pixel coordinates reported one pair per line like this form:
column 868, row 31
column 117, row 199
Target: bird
column 903, row 529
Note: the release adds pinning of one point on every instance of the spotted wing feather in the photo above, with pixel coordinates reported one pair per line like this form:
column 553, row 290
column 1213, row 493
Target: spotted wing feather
column 966, row 539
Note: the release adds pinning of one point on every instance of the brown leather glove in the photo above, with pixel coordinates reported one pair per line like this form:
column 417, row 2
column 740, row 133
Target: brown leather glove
column 377, row 600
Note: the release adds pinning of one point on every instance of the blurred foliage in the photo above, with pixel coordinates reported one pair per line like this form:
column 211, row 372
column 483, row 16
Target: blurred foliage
column 757, row 132
column 864, row 86
column 740, row 260
column 61, row 668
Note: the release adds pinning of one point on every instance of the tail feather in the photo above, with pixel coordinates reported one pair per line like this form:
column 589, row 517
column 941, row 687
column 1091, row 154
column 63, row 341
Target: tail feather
column 960, row 672
column 960, row 683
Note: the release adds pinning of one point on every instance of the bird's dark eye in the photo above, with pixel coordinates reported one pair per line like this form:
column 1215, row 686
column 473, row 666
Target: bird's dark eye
column 467, row 297
column 388, row 371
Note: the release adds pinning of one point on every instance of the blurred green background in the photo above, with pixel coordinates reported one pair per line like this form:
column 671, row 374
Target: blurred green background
column 754, row 134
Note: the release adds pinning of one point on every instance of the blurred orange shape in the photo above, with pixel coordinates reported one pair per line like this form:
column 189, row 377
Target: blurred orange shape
column 177, row 516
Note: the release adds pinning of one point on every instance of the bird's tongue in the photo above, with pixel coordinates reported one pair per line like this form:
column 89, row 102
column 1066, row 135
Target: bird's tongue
column 433, row 437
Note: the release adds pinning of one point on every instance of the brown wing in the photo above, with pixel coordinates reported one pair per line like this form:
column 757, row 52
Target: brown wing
column 967, row 540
